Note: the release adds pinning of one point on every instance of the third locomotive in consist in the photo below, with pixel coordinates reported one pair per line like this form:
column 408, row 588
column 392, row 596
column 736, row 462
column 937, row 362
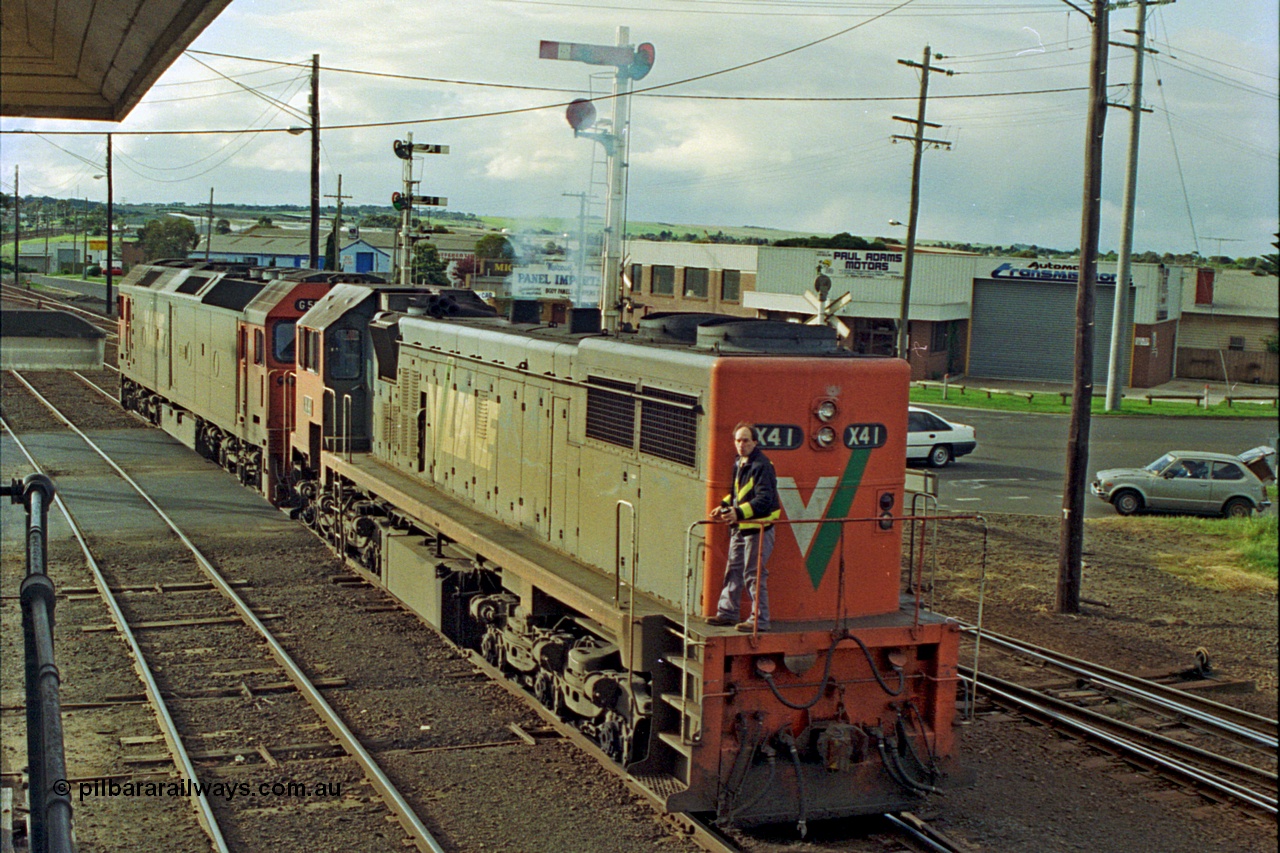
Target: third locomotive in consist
column 541, row 494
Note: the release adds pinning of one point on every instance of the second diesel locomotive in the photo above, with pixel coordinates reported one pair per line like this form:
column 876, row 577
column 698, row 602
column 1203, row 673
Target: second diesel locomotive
column 541, row 494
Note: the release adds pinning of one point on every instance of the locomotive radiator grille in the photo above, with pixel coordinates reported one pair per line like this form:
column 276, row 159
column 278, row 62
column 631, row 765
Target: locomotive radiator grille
column 611, row 416
column 668, row 432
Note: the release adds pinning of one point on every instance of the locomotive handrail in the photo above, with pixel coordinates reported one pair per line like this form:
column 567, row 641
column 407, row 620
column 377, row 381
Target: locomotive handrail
column 617, row 550
column 325, row 394
column 910, row 519
column 346, row 425
column 285, row 373
column 617, row 588
column 916, row 502
column 346, row 422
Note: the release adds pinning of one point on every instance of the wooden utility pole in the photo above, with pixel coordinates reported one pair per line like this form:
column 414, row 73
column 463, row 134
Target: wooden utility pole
column 919, row 141
column 208, row 229
column 315, row 161
column 1071, row 534
column 17, row 226
column 337, row 227
column 110, row 224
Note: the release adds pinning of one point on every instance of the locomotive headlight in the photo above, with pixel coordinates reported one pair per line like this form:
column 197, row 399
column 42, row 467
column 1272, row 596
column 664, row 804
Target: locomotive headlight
column 826, row 411
column 825, row 437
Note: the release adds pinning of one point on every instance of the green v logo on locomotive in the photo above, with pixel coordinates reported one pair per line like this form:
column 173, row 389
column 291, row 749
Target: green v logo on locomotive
column 831, row 498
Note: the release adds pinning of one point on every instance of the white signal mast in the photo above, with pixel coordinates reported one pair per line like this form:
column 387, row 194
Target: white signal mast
column 632, row 63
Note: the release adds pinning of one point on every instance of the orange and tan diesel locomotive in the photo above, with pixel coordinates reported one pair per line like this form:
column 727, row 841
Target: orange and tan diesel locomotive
column 542, row 493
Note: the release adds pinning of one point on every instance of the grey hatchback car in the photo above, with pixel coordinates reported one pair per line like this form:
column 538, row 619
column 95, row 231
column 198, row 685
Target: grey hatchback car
column 1187, row 481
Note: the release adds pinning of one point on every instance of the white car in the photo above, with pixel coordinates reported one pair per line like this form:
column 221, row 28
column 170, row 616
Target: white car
column 936, row 441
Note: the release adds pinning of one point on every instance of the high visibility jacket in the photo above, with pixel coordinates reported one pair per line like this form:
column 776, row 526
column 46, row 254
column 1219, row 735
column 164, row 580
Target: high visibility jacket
column 754, row 498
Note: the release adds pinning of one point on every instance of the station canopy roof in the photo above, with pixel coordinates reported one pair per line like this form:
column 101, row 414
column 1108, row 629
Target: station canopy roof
column 75, row 59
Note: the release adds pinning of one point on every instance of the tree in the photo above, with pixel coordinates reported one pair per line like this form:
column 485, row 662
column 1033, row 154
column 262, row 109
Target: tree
column 460, row 269
column 427, row 266
column 495, row 247
column 265, row 221
column 222, row 226
column 170, row 237
column 330, row 252
column 379, row 220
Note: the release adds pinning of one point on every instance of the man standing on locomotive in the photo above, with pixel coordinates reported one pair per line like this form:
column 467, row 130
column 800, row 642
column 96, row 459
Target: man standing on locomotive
column 748, row 509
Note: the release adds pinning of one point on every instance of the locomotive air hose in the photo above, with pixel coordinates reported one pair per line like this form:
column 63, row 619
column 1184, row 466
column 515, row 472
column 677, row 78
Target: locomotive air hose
column 826, row 674
column 802, row 825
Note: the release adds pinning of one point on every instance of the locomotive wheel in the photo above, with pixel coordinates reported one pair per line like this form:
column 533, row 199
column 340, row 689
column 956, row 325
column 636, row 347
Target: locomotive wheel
column 491, row 649
column 614, row 738
column 544, row 690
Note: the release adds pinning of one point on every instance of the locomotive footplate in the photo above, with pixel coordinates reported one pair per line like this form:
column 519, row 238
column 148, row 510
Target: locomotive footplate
column 586, row 590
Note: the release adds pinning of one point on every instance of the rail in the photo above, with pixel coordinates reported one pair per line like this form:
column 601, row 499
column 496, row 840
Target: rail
column 390, row 794
column 49, row 803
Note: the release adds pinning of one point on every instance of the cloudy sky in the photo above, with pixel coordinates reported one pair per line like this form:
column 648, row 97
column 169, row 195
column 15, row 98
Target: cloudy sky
column 762, row 112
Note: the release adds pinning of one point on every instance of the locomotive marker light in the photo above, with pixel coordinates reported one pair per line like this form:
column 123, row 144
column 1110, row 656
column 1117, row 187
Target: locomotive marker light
column 632, row 63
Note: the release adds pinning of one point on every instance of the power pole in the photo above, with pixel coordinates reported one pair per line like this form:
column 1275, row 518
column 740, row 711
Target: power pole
column 208, row 229
column 17, row 226
column 1071, row 532
column 315, row 160
column 337, row 227
column 582, row 241
column 1119, row 324
column 110, row 224
column 919, row 141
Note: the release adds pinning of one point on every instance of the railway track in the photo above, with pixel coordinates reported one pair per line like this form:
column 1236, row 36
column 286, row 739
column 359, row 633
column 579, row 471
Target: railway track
column 551, row 773
column 158, row 617
column 1221, row 752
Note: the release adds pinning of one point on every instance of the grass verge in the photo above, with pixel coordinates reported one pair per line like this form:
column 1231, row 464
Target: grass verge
column 1051, row 402
column 1237, row 554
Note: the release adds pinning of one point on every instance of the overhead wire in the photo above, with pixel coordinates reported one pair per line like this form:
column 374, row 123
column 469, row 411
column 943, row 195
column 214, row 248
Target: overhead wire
column 256, row 93
column 1173, row 141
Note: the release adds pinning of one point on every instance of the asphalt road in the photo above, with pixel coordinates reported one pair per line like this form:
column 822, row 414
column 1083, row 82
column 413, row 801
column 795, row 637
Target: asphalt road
column 1019, row 463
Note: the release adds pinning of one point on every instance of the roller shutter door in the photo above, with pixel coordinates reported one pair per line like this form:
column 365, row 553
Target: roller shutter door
column 1026, row 330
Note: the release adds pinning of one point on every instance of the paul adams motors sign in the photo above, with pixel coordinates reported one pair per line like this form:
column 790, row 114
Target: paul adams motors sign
column 860, row 263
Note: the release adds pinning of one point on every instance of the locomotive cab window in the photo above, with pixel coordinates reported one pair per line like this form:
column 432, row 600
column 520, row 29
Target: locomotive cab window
column 259, row 344
column 282, row 337
column 345, row 354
